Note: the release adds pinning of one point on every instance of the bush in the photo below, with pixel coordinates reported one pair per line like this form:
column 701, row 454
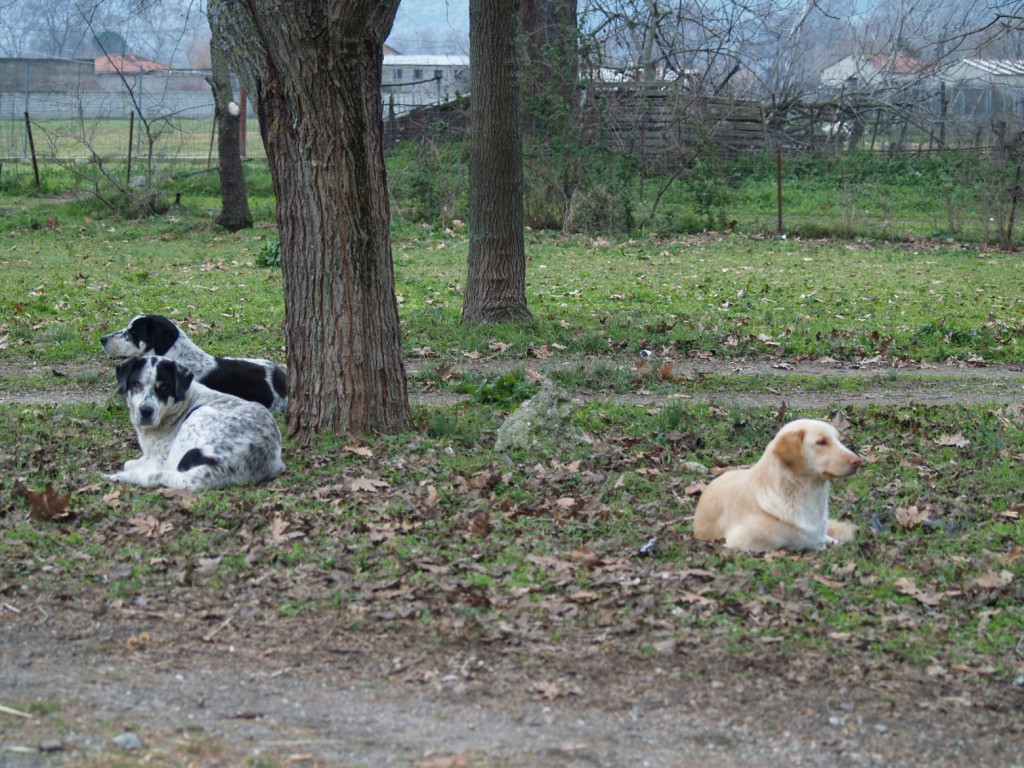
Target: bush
column 429, row 180
column 507, row 390
column 270, row 254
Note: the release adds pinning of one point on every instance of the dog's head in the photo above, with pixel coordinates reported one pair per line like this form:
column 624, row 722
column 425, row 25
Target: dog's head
column 812, row 448
column 144, row 335
column 152, row 386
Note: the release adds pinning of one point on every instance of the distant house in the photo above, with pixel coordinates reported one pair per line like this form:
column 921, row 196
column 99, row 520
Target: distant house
column 128, row 64
column 973, row 88
column 984, row 87
column 113, row 71
column 414, row 80
column 868, row 72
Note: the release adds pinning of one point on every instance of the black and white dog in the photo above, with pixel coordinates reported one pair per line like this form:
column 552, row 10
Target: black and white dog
column 250, row 379
column 192, row 436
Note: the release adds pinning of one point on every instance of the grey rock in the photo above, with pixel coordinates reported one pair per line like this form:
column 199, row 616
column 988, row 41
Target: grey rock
column 129, row 740
column 542, row 423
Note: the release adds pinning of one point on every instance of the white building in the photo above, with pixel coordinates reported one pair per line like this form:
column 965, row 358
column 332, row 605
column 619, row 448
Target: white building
column 415, row 80
column 984, row 87
column 868, row 72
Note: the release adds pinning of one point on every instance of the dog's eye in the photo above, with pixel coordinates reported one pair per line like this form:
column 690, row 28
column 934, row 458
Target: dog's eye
column 822, row 441
column 136, row 386
column 160, row 386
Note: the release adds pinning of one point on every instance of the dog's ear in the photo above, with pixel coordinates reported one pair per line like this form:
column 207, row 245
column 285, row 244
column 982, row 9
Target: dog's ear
column 182, row 381
column 789, row 449
column 157, row 332
column 124, row 369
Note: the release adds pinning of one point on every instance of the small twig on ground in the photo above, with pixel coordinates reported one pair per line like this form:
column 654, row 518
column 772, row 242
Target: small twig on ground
column 15, row 712
column 213, row 632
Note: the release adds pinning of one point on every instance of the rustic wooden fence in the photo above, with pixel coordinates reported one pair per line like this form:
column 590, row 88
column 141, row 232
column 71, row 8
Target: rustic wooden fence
column 666, row 127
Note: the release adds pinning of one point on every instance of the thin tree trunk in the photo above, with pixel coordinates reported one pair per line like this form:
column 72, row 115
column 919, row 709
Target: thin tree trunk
column 234, row 198
column 550, row 55
column 551, row 90
column 496, row 280
column 316, row 74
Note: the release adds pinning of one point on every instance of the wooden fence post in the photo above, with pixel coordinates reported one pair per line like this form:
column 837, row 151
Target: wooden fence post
column 32, row 149
column 778, row 181
column 131, row 138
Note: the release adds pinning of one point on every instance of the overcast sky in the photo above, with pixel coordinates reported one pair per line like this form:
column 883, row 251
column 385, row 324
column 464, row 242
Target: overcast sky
column 431, row 26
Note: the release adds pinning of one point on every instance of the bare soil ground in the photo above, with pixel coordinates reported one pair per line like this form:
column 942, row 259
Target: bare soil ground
column 889, row 381
column 304, row 692
column 194, row 680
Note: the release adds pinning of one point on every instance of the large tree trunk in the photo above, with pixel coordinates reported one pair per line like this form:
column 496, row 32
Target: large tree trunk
column 496, row 281
column 234, row 199
column 315, row 68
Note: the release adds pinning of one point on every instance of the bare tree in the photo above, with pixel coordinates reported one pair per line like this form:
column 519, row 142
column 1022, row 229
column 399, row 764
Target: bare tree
column 496, row 282
column 316, row 73
column 234, row 198
column 69, row 28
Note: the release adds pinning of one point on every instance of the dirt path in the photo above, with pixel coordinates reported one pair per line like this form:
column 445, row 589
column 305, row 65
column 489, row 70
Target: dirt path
column 879, row 381
column 306, row 693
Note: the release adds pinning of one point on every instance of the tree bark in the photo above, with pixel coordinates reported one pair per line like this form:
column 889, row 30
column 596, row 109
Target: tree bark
column 551, row 68
column 550, row 51
column 496, row 280
column 315, row 70
column 234, row 198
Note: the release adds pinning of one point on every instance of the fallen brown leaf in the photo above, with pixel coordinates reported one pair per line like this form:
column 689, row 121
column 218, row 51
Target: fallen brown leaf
column 480, row 525
column 912, row 516
column 550, row 690
column 828, row 582
column 956, row 440
column 1012, row 556
column 370, row 485
column 692, row 597
column 992, row 580
column 46, row 505
column 461, row 760
column 148, row 526
column 907, row 587
column 279, row 533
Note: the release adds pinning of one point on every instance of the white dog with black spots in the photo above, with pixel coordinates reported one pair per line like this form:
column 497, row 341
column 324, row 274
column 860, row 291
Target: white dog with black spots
column 261, row 381
column 191, row 436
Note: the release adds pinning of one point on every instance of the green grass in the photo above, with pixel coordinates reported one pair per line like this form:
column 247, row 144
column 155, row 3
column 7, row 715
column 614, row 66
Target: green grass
column 462, row 536
column 632, row 487
column 861, row 194
column 173, row 137
column 901, row 197
column 729, row 297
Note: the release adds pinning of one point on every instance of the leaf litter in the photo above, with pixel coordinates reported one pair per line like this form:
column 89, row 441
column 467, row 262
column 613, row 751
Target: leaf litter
column 549, row 572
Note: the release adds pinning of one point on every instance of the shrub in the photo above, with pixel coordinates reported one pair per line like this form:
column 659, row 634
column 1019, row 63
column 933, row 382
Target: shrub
column 507, row 390
column 270, row 254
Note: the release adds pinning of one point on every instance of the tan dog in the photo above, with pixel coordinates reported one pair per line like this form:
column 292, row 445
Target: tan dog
column 782, row 500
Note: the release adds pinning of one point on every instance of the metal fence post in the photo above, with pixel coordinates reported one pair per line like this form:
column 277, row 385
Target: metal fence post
column 24, row 150
column 138, row 102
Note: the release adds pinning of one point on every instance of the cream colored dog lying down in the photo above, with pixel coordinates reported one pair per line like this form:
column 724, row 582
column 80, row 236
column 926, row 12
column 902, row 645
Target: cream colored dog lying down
column 782, row 500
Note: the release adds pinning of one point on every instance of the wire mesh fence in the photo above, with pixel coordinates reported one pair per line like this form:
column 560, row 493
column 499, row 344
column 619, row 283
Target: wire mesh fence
column 86, row 125
column 72, row 110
